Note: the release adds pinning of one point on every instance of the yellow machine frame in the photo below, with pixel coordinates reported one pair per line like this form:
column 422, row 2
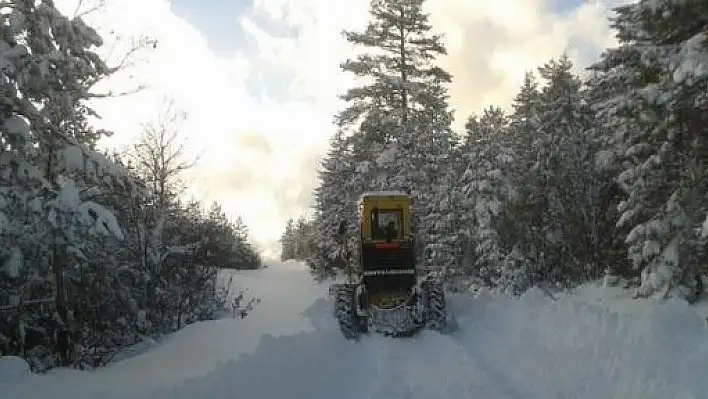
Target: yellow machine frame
column 384, row 201
column 389, row 294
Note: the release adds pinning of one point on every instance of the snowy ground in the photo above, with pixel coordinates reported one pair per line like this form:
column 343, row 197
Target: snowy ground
column 595, row 343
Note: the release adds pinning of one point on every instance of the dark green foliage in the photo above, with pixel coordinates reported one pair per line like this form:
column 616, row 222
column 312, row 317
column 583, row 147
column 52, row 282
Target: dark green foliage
column 95, row 253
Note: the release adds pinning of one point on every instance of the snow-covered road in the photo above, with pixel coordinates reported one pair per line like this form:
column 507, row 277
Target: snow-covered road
column 290, row 347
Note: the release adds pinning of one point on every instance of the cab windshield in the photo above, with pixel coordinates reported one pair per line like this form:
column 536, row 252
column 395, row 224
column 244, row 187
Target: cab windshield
column 386, row 224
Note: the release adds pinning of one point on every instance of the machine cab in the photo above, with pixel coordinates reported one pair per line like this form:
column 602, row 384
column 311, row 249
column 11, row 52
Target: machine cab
column 386, row 233
column 386, row 224
column 385, row 217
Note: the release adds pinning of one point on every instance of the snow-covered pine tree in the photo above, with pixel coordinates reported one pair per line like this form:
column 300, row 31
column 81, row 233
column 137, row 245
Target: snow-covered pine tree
column 297, row 240
column 220, row 238
column 334, row 203
column 655, row 86
column 610, row 248
column 486, row 188
column 524, row 123
column 303, row 239
column 426, row 163
column 243, row 255
column 287, row 241
column 51, row 173
column 565, row 174
column 517, row 273
column 555, row 218
column 398, row 71
column 441, row 242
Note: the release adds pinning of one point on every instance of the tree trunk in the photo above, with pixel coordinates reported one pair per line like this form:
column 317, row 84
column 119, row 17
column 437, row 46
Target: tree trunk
column 404, row 75
column 64, row 344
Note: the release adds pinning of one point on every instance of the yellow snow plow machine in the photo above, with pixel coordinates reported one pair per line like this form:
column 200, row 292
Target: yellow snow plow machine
column 385, row 292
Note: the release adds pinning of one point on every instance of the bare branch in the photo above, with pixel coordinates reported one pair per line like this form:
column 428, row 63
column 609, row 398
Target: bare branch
column 78, row 13
column 111, row 94
column 124, row 61
column 159, row 155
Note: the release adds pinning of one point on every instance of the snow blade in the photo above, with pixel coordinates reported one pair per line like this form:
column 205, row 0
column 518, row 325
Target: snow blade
column 395, row 322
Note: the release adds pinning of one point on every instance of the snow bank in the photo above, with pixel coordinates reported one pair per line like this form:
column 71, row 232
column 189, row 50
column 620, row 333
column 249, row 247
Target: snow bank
column 12, row 368
column 285, row 291
column 586, row 348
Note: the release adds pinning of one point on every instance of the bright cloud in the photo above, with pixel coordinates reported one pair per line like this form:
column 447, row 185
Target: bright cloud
column 261, row 119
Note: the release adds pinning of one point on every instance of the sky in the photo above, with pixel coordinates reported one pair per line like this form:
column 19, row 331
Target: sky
column 259, row 81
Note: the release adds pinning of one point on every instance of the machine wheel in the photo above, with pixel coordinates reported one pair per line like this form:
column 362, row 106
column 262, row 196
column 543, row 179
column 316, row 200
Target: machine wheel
column 435, row 312
column 419, row 305
column 345, row 310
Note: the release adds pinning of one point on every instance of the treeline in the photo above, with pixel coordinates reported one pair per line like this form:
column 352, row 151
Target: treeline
column 297, row 240
column 97, row 250
column 580, row 177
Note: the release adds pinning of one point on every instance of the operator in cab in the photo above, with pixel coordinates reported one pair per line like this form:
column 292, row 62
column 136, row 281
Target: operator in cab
column 391, row 231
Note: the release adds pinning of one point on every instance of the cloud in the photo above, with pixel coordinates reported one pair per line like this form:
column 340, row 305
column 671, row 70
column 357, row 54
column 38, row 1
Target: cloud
column 491, row 44
column 261, row 117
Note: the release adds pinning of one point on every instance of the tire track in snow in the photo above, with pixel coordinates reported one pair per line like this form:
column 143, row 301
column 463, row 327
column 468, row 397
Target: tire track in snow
column 430, row 365
column 426, row 365
column 308, row 365
column 454, row 372
column 320, row 363
column 387, row 383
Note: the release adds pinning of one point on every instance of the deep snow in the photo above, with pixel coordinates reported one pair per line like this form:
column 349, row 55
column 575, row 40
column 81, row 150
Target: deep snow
column 595, row 343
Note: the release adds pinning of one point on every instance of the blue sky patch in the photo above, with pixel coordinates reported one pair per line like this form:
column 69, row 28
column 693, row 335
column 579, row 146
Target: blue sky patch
column 216, row 19
column 566, row 6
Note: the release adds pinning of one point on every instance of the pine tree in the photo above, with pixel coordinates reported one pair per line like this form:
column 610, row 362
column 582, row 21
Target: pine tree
column 486, row 188
column 661, row 128
column 53, row 175
column 287, row 241
column 334, row 204
column 399, row 65
column 565, row 175
column 524, row 122
column 559, row 188
column 405, row 95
